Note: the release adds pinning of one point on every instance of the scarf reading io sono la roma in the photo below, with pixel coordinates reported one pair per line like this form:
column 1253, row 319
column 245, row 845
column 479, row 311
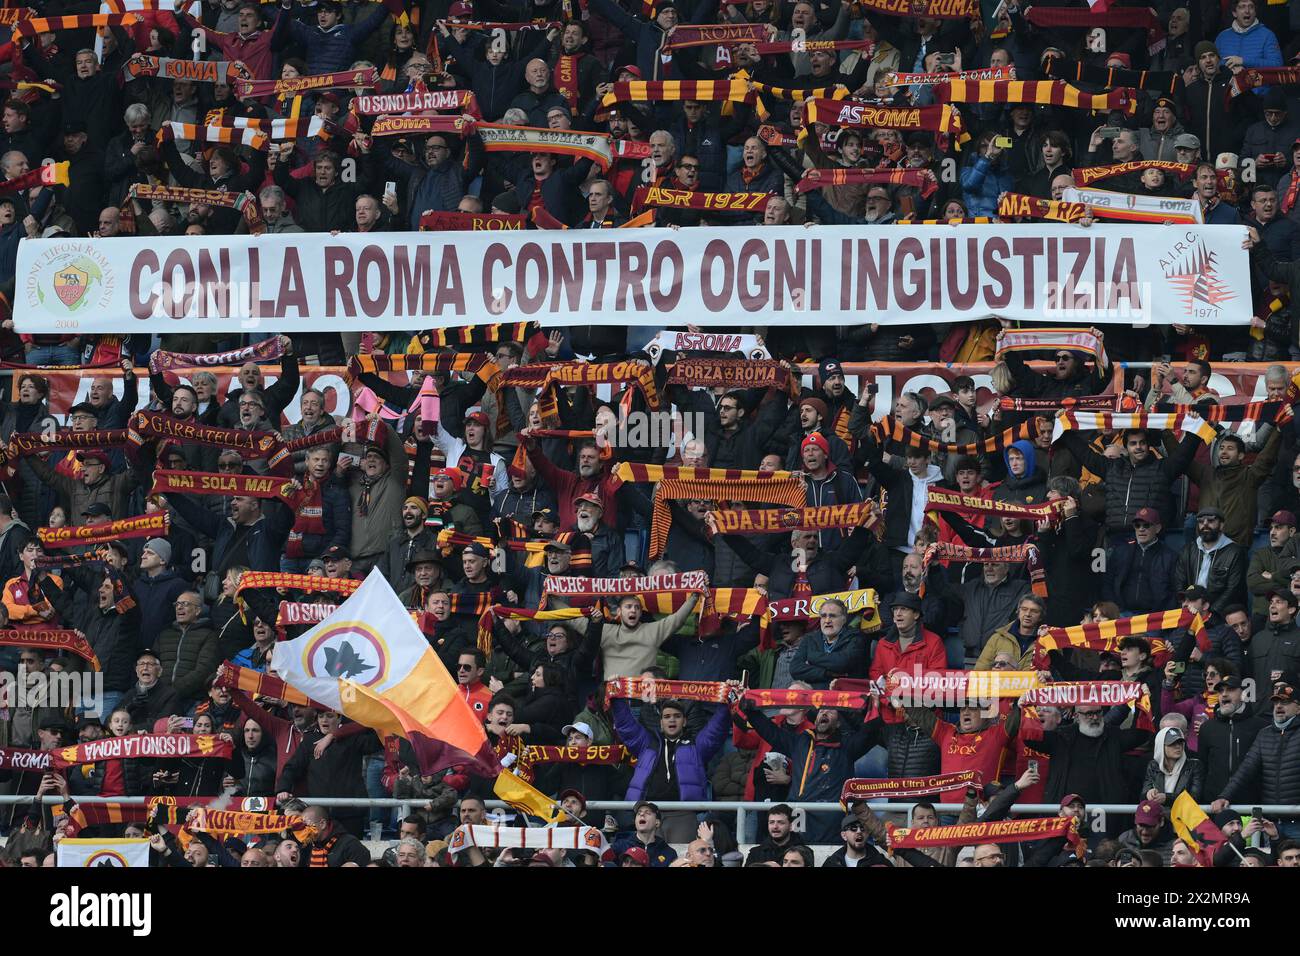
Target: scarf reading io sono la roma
column 147, row 746
column 154, row 525
column 942, row 499
column 1099, row 693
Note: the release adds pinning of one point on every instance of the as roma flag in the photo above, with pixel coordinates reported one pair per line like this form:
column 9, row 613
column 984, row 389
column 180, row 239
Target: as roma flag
column 1194, row 828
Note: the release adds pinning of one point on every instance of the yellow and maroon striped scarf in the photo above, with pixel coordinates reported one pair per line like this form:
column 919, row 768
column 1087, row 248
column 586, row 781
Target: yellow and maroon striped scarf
column 1040, row 92
column 1020, row 206
column 891, row 429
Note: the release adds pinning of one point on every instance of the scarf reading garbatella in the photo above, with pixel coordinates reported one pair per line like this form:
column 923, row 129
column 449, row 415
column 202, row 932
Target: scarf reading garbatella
column 891, row 429
column 154, row 525
column 862, row 788
column 364, row 78
column 603, row 755
column 498, row 138
column 1020, row 206
column 191, row 71
column 166, row 482
column 265, row 350
column 638, row 373
column 972, row 834
column 942, row 499
column 87, row 21
column 1106, row 635
column 1087, row 175
column 662, row 198
column 155, row 425
column 256, row 684
column 1252, row 78
column 1026, row 554
column 1096, row 693
column 895, row 79
column 857, row 115
column 51, row 174
column 51, row 639
column 471, row 221
column 1154, row 81
column 1122, row 421
column 143, row 746
column 1074, row 339
column 860, row 514
column 23, row 444
column 1134, row 18
column 421, row 125
column 711, row 484
column 730, row 373
column 922, row 179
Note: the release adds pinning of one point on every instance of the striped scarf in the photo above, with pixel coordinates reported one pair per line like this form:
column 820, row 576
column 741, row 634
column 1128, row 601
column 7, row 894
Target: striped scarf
column 1153, row 81
column 87, row 21
column 52, row 174
column 499, row 612
column 922, row 179
column 256, row 684
column 1087, row 175
column 862, row 514
column 967, row 221
column 223, row 135
column 1026, row 554
column 671, row 91
column 492, row 333
column 941, row 499
column 638, row 373
column 1249, row 412
column 1131, row 17
column 795, row 94
column 439, row 363
column 1082, row 403
column 1253, row 77
column 154, row 525
column 448, row 540
column 1020, row 206
column 1120, row 421
column 894, row 79
column 1039, row 340
column 362, row 78
column 161, row 360
column 1040, row 92
column 1106, row 635
column 891, row 429
column 309, row 583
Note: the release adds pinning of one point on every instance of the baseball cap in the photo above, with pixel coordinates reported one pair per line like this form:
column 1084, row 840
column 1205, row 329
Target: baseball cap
column 1148, row 814
column 97, row 509
column 1283, row 518
column 1149, row 515
column 1286, row 595
column 478, row 549
column 1174, row 735
column 335, row 552
column 637, row 855
column 1209, row 513
column 1186, row 141
column 571, row 792
column 85, row 408
column 557, row 545
column 477, row 414
column 590, row 498
column 1231, row 682
column 850, row 819
column 1070, row 798
column 547, row 513
column 581, row 726
column 1194, row 592
column 1283, row 691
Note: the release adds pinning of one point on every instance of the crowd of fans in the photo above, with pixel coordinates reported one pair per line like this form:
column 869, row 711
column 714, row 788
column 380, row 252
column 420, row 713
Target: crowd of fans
column 162, row 614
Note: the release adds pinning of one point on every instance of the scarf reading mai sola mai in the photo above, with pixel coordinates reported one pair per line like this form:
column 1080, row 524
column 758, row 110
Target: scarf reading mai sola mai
column 1095, row 693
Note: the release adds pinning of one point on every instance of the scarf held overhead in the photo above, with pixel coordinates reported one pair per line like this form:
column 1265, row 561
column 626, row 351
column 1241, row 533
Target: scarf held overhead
column 154, row 525
column 971, row 834
column 143, row 746
column 265, row 350
column 862, row 788
column 364, row 78
column 941, row 499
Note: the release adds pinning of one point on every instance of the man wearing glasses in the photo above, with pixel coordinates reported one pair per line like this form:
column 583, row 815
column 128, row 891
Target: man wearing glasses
column 1140, row 572
column 855, row 851
column 187, row 651
column 686, row 176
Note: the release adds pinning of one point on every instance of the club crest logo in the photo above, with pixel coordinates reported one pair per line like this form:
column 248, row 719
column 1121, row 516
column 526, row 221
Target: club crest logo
column 348, row 650
column 70, row 279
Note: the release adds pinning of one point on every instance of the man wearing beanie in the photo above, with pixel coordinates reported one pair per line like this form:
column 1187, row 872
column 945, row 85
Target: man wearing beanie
column 1217, row 119
column 157, row 587
column 814, row 418
column 826, row 484
column 414, row 537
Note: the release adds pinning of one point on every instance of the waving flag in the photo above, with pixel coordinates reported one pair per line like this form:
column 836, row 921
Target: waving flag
column 370, row 662
column 1201, row 834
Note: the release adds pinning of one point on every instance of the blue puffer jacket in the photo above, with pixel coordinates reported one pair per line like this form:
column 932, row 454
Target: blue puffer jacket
column 1256, row 47
column 328, row 51
column 693, row 756
column 981, row 184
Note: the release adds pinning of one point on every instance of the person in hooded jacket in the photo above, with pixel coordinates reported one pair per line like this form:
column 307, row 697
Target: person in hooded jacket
column 253, row 769
column 1172, row 770
column 1026, row 482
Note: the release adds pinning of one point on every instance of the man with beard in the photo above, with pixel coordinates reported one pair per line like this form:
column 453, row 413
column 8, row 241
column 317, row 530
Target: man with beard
column 941, row 606
column 1263, row 576
column 1087, row 757
column 414, row 538
column 1275, row 648
column 286, row 732
column 607, row 552
column 814, row 418
column 1213, row 561
column 592, row 478
column 1270, row 772
column 1227, row 737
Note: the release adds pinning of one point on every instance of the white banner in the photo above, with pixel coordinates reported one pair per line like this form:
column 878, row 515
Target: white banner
column 100, row 853
column 829, row 275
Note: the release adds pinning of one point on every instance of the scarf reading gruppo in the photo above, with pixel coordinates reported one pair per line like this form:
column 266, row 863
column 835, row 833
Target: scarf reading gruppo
column 857, row 115
column 265, row 350
column 471, row 221
column 166, row 482
column 922, row 179
column 50, row 639
column 363, row 78
column 1122, row 421
column 817, row 518
column 1253, row 77
column 710, row 484
column 154, row 525
column 86, row 21
column 638, row 373
column 892, row 429
column 1106, row 635
column 1133, row 18
column 939, row 9
column 1096, row 693
column 971, row 834
column 191, row 71
column 143, row 746
column 1086, row 175
column 659, row 197
column 942, row 499
column 1134, row 207
column 529, row 139
column 729, row 373
column 1025, row 554
column 1020, row 206
column 416, row 101
column 50, row 174
column 1038, row 92
column 895, row 79
column 862, row 788
column 257, row 684
column 1154, row 81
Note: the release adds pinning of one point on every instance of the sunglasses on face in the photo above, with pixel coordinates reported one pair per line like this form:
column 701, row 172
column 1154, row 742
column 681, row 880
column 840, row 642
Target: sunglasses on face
column 1141, row 525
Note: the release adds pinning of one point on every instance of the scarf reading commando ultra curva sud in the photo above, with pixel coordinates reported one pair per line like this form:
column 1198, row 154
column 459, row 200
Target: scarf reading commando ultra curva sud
column 710, row 484
column 863, row 788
